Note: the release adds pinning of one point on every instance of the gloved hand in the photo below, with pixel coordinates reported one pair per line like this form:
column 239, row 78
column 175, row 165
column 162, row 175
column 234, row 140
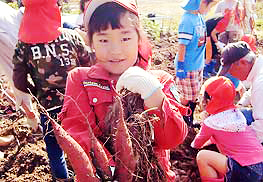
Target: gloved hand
column 180, row 72
column 220, row 46
column 34, row 123
column 137, row 80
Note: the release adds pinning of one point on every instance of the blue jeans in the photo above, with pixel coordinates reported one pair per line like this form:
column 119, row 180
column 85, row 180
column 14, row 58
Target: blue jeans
column 238, row 173
column 247, row 112
column 56, row 157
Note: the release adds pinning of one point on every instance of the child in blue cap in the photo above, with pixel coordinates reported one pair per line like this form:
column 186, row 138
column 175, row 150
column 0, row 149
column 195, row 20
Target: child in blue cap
column 190, row 59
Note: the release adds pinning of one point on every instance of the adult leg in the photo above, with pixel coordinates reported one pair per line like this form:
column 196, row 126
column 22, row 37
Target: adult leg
column 211, row 165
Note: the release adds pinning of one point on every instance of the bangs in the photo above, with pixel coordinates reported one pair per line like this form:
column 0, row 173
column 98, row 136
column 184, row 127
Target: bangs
column 105, row 16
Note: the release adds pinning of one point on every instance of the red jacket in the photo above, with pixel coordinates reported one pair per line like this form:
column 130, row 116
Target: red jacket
column 89, row 93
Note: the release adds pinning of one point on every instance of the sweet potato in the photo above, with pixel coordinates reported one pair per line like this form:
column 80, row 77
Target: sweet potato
column 125, row 159
column 140, row 133
column 99, row 158
column 77, row 156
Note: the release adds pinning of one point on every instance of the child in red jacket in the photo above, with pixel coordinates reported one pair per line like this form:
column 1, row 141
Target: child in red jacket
column 122, row 56
column 241, row 154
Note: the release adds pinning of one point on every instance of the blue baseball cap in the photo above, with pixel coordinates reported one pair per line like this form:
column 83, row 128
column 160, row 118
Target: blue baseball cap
column 190, row 5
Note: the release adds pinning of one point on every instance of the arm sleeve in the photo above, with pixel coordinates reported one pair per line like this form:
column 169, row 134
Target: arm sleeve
column 257, row 110
column 171, row 129
column 21, row 70
column 202, row 137
column 77, row 115
column 185, row 30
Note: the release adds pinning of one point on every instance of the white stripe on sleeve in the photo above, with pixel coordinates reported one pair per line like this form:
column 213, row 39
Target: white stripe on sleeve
column 185, row 36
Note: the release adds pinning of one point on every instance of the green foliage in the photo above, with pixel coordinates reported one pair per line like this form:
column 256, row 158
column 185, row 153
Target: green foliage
column 259, row 24
column 151, row 28
column 259, row 20
column 66, row 8
column 156, row 28
column 259, row 9
column 259, row 28
column 13, row 5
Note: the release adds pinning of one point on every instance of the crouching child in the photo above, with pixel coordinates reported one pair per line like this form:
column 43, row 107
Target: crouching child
column 241, row 154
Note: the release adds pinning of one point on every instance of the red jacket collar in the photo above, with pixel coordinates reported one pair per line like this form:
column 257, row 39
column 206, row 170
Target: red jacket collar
column 98, row 72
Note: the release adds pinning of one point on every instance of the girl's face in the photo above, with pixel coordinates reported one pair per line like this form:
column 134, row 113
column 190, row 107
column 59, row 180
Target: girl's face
column 117, row 49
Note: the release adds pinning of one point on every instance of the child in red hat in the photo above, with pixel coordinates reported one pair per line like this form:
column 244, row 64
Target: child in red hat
column 47, row 52
column 241, row 154
column 123, row 56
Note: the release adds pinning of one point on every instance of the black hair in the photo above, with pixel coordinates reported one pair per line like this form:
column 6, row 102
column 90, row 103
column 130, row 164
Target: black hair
column 109, row 14
column 207, row 96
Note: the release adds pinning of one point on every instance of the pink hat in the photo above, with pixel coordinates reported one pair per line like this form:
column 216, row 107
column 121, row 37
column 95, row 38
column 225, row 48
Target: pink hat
column 222, row 92
column 94, row 4
column 40, row 22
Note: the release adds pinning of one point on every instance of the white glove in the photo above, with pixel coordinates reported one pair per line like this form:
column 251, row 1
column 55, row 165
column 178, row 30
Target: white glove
column 220, row 45
column 137, row 80
column 34, row 123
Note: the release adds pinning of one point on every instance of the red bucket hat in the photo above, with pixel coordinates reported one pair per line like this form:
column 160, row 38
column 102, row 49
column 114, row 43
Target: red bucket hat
column 40, row 22
column 222, row 94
